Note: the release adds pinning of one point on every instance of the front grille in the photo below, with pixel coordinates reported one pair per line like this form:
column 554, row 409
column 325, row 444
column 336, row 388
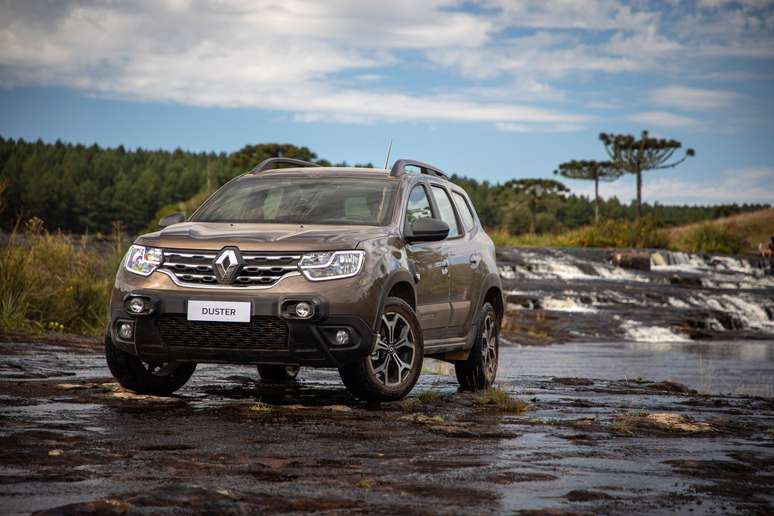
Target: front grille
column 262, row 332
column 196, row 267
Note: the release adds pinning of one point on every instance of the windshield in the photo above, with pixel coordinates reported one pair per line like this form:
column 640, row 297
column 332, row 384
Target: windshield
column 286, row 200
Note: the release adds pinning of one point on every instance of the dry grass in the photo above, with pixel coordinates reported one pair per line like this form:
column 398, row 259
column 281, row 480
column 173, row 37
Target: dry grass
column 55, row 282
column 426, row 397
column 260, row 406
column 499, row 400
column 754, row 227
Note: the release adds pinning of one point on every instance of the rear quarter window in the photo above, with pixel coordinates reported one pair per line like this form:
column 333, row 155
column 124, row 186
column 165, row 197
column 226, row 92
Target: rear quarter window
column 465, row 211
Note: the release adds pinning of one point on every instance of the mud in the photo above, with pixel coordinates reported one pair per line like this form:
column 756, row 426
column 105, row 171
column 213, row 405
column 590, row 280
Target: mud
column 73, row 442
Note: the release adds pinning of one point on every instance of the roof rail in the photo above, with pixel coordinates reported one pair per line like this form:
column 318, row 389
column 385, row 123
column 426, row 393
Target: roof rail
column 271, row 163
column 399, row 168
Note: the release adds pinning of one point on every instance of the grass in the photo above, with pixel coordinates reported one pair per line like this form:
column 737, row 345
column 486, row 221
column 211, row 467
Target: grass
column 607, row 233
column 260, row 406
column 55, row 282
column 426, row 397
column 499, row 399
column 731, row 235
column 728, row 235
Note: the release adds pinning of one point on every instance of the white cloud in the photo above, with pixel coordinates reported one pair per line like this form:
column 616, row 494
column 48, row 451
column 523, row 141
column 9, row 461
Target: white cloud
column 682, row 97
column 665, row 119
column 340, row 60
column 509, row 127
column 751, row 185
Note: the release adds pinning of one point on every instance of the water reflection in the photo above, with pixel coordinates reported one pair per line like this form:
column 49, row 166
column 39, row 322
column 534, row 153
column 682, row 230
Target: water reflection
column 737, row 367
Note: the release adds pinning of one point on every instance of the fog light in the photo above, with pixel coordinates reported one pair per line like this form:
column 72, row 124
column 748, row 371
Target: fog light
column 342, row 337
column 136, row 305
column 304, row 310
column 126, row 330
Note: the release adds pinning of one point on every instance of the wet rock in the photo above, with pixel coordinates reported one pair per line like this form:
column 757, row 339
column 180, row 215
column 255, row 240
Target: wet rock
column 581, row 495
column 511, row 477
column 636, row 260
column 573, row 381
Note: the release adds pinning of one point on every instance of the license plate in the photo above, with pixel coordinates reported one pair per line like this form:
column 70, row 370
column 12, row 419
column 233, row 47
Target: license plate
column 222, row 311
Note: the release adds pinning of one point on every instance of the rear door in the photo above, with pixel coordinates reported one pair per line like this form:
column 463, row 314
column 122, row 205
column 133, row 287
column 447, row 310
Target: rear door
column 458, row 256
column 430, row 262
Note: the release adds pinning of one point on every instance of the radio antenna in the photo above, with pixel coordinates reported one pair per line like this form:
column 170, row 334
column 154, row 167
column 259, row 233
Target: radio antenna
column 389, row 150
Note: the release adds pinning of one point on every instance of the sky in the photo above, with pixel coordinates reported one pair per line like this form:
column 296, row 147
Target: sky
column 491, row 89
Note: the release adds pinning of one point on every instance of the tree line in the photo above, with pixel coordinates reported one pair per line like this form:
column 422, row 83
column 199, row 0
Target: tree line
column 78, row 189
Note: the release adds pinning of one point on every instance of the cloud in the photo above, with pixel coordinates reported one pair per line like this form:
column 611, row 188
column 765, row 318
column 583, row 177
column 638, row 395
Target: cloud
column 682, row 97
column 750, row 184
column 509, row 127
column 354, row 62
column 290, row 56
column 665, row 119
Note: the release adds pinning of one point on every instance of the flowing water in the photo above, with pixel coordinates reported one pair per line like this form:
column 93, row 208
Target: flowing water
column 681, row 298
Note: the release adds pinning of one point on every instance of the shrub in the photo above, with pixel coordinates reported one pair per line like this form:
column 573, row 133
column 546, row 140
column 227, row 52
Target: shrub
column 715, row 238
column 53, row 281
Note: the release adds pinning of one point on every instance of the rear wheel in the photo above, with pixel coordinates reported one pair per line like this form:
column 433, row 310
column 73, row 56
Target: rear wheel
column 157, row 378
column 278, row 373
column 391, row 370
column 480, row 369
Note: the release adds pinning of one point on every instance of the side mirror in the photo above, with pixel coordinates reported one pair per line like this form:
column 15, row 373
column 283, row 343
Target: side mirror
column 171, row 219
column 427, row 230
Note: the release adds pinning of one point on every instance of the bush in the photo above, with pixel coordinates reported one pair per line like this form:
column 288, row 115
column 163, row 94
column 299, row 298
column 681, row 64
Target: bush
column 607, row 233
column 715, row 238
column 51, row 281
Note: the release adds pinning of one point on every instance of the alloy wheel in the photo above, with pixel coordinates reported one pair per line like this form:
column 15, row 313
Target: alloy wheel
column 489, row 347
column 395, row 351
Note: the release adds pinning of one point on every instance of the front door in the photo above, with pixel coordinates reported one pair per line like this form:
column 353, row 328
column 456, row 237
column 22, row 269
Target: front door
column 430, row 263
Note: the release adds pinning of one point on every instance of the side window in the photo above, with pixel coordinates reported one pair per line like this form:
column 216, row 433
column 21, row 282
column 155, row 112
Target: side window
column 418, row 205
column 463, row 208
column 446, row 210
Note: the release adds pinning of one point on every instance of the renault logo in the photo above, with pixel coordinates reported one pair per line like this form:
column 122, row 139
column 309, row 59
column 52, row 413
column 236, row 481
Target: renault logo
column 226, row 265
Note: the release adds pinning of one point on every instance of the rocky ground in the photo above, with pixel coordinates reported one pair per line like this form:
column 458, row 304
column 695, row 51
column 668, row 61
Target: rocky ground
column 73, row 442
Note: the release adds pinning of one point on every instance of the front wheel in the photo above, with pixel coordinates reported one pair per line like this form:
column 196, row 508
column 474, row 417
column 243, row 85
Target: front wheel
column 159, row 379
column 391, row 370
column 478, row 372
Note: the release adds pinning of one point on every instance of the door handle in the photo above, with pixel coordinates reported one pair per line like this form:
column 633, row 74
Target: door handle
column 445, row 267
column 475, row 259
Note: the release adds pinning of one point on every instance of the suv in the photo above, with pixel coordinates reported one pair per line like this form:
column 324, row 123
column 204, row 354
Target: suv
column 364, row 270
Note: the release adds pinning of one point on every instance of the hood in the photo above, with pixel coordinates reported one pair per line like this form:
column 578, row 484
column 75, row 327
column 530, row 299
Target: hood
column 261, row 237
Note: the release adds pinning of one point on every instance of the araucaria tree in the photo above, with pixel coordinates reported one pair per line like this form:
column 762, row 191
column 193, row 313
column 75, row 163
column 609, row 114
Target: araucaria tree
column 635, row 156
column 535, row 191
column 590, row 170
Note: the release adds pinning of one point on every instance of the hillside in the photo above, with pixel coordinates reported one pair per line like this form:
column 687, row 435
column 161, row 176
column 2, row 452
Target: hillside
column 753, row 227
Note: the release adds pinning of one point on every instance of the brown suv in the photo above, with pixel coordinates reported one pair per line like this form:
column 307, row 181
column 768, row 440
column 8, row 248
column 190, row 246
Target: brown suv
column 365, row 270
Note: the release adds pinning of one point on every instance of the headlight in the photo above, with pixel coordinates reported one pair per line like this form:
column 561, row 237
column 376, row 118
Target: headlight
column 331, row 265
column 143, row 260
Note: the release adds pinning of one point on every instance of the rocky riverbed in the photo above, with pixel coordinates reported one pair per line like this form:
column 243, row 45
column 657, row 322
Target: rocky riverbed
column 647, row 389
column 73, row 442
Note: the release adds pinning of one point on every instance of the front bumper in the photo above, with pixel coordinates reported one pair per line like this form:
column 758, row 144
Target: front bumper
column 308, row 342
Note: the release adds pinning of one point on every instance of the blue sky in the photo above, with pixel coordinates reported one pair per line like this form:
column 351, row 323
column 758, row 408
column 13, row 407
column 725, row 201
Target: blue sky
column 493, row 89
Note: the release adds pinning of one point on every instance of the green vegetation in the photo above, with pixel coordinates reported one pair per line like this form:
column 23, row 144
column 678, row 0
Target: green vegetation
column 426, row 397
column 726, row 235
column 56, row 282
column 82, row 189
column 499, row 400
column 635, row 156
column 260, row 406
column 714, row 238
column 608, row 233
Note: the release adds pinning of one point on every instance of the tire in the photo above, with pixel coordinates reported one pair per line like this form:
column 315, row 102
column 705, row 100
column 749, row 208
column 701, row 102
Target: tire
column 479, row 371
column 143, row 377
column 391, row 370
column 278, row 373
